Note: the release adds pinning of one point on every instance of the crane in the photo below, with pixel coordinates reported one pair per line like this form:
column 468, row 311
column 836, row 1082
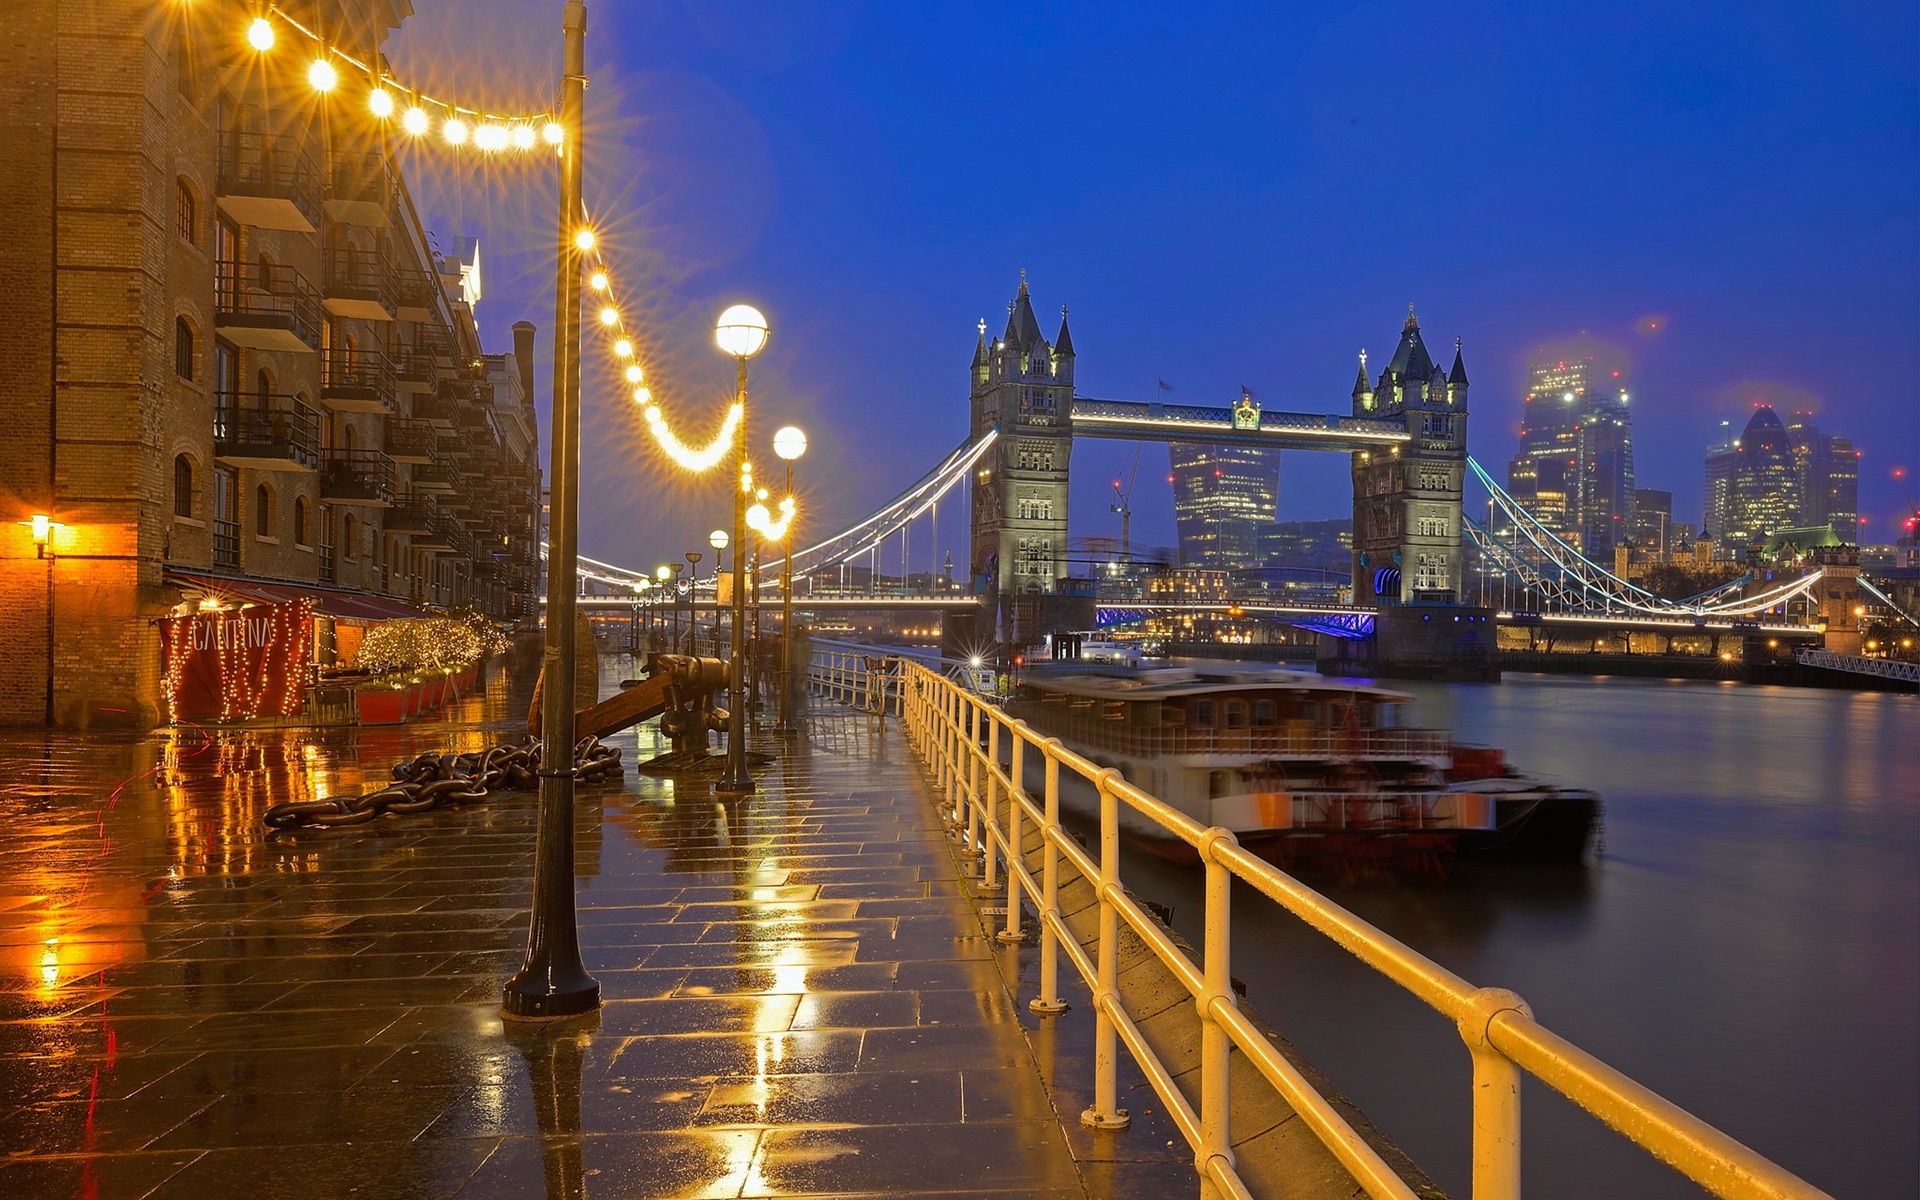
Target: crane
column 1124, row 507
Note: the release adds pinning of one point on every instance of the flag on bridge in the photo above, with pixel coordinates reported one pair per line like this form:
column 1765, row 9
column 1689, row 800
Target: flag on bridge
column 1165, row 386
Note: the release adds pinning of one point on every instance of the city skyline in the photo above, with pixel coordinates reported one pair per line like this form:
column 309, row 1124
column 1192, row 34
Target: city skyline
column 1725, row 278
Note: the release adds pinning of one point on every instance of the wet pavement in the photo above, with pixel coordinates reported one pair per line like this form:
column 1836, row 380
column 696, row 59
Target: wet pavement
column 799, row 997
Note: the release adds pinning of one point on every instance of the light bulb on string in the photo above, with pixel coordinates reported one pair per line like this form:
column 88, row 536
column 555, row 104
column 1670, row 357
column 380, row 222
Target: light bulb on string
column 416, row 121
column 322, row 76
column 609, row 316
column 623, row 349
column 598, row 281
column 491, row 137
column 555, row 133
column 455, row 131
column 260, row 34
column 635, row 374
column 380, row 103
column 524, row 136
column 643, row 395
column 584, row 239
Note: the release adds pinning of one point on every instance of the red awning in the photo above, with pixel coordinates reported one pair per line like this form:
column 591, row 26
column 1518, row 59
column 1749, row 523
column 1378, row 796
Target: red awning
column 334, row 602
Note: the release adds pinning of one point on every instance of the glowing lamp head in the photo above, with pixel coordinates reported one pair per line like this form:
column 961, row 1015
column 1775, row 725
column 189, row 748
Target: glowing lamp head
column 260, row 34
column 455, row 131
column 42, row 526
column 491, row 137
column 415, row 122
column 757, row 517
column 380, row 103
column 741, row 331
column 635, row 374
column 663, row 574
column 584, row 239
column 623, row 349
column 555, row 133
column 598, row 281
column 321, row 76
column 524, row 137
column 718, row 539
column 790, row 442
column 609, row 316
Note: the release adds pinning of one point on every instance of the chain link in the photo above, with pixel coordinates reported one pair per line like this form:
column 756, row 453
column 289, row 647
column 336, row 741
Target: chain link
column 434, row 780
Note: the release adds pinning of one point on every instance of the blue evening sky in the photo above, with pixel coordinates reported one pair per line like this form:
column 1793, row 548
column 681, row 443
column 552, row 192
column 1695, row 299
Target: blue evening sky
column 1726, row 196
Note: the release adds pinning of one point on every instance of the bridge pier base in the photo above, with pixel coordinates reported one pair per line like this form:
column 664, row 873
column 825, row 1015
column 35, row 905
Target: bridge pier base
column 1449, row 642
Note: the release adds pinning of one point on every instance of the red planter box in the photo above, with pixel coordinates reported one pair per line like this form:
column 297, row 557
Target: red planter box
column 381, row 706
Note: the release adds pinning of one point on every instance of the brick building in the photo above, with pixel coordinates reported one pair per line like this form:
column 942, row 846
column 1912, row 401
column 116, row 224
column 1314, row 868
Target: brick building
column 236, row 360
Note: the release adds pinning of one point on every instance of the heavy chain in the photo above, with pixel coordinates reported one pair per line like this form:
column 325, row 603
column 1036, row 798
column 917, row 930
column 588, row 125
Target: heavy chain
column 432, row 780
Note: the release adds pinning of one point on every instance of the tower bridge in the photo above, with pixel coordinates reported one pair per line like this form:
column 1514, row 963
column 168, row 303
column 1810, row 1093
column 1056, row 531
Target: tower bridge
column 1404, row 430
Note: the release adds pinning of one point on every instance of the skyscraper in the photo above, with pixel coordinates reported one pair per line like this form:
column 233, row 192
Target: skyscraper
column 1224, row 500
column 1652, row 519
column 1763, row 494
column 1721, row 458
column 1829, row 470
column 1574, row 470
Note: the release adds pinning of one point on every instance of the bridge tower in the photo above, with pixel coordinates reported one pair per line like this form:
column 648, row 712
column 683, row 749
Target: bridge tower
column 1406, row 505
column 1022, row 385
column 1407, row 526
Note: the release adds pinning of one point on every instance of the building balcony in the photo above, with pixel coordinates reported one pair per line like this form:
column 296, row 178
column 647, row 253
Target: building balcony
column 436, row 340
column 416, row 294
column 358, row 284
column 357, row 381
column 435, row 477
column 436, row 410
column 360, row 190
column 264, row 306
column 269, row 181
column 415, row 371
column 412, row 513
column 267, row 433
column 412, row 441
column 441, row 536
column 356, row 477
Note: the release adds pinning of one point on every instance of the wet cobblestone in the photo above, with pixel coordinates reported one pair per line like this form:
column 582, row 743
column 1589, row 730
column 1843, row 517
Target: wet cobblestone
column 799, row 999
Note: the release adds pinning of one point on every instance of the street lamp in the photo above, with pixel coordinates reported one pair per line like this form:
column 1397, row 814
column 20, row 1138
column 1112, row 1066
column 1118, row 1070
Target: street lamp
column 741, row 332
column 790, row 442
column 553, row 983
column 718, row 540
column 693, row 610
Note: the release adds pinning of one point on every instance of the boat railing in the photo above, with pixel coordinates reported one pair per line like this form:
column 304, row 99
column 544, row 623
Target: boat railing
column 1276, row 741
column 977, row 753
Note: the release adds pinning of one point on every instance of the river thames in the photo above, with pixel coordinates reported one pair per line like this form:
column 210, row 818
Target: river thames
column 1746, row 943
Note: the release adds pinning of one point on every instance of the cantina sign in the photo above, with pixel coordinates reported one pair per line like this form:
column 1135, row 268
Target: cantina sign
column 240, row 664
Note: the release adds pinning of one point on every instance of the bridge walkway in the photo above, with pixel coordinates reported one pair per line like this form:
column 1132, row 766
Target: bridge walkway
column 800, row 996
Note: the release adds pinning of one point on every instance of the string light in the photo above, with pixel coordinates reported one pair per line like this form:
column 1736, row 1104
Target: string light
column 524, row 136
column 598, row 281
column 609, row 316
column 380, row 103
column 260, row 34
column 635, row 374
column 584, row 239
column 706, row 457
column 322, row 76
column 416, row 121
column 491, row 137
column 555, row 133
column 455, row 131
column 623, row 349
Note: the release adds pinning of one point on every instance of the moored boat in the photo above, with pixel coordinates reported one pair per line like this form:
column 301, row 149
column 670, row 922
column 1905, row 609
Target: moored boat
column 1313, row 774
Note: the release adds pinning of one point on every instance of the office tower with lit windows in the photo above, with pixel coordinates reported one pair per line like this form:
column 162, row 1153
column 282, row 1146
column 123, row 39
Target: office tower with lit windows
column 1829, row 470
column 1763, row 493
column 1652, row 520
column 1574, row 470
column 1224, row 502
column 1722, row 456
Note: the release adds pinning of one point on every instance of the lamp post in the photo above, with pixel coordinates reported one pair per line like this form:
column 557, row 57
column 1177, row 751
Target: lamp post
column 789, row 443
column 676, row 569
column 718, row 540
column 553, row 982
column 741, row 332
column 693, row 596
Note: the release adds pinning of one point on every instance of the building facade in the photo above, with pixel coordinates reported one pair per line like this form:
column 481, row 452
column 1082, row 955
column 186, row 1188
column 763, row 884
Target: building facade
column 1224, row 502
column 244, row 360
column 1763, row 490
column 1829, row 469
column 1406, row 504
column 1575, row 469
column 1717, row 490
column 1022, row 385
column 1653, row 521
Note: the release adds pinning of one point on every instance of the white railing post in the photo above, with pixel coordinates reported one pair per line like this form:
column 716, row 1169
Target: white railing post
column 1216, row 1134
column 1496, row 1097
column 1106, row 1112
column 991, row 877
column 1049, row 1001
column 1012, row 931
column 973, row 784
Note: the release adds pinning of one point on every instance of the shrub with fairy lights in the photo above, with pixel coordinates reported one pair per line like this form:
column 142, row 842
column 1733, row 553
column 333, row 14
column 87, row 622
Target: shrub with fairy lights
column 424, row 644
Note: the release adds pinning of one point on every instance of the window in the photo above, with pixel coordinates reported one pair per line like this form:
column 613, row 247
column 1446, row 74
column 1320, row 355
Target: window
column 350, row 537
column 182, row 486
column 300, row 521
column 1203, row 714
column 263, row 511
column 1236, row 714
column 183, row 349
column 186, row 213
column 1263, row 714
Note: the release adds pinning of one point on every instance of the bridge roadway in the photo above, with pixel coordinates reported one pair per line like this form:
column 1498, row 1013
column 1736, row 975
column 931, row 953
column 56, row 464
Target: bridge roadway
column 1520, row 619
column 1129, row 420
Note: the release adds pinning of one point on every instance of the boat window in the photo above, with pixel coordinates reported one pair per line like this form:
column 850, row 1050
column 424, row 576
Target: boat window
column 1236, row 714
column 1203, row 714
column 1219, row 783
column 1263, row 714
column 1388, row 717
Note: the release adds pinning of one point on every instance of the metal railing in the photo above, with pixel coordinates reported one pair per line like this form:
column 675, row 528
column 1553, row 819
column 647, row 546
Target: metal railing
column 267, row 295
column 365, row 476
column 274, row 426
column 360, row 275
column 1860, row 664
column 273, row 165
column 979, row 755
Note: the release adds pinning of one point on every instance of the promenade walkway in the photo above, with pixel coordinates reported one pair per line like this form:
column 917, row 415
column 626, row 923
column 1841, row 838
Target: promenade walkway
column 799, row 998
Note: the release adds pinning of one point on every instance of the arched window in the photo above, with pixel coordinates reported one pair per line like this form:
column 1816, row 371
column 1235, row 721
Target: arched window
column 300, row 520
column 263, row 511
column 348, row 439
column 182, row 486
column 350, row 537
column 183, row 348
column 186, row 212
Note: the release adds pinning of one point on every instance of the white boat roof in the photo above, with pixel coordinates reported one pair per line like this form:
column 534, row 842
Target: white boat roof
column 1163, row 683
